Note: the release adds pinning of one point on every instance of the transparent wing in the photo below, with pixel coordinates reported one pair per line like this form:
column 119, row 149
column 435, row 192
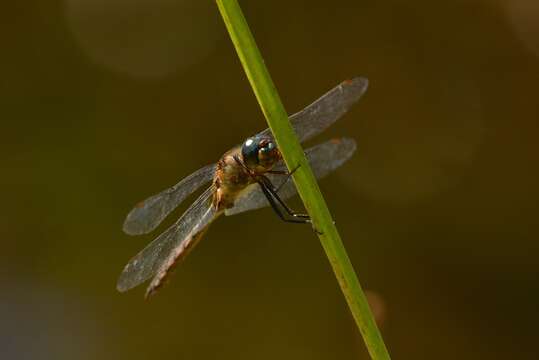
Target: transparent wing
column 324, row 158
column 174, row 244
column 318, row 116
column 307, row 123
column 148, row 214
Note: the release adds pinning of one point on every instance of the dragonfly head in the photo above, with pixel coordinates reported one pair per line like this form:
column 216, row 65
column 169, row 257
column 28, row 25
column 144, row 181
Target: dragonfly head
column 260, row 153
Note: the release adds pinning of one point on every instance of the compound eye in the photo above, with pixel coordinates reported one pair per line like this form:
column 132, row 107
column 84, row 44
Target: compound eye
column 249, row 151
column 268, row 154
column 268, row 148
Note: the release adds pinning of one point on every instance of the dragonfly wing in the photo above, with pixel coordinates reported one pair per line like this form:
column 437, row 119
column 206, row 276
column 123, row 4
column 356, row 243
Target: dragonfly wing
column 318, row 116
column 171, row 246
column 148, row 214
column 323, row 158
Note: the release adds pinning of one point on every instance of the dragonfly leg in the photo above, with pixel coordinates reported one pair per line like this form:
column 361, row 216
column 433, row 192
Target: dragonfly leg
column 284, row 213
column 278, row 172
column 279, row 206
column 284, row 172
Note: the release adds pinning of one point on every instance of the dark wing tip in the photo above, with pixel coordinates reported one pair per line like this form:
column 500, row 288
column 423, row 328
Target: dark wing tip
column 121, row 286
column 125, row 282
column 128, row 227
column 344, row 140
column 347, row 146
column 134, row 224
column 359, row 82
column 131, row 227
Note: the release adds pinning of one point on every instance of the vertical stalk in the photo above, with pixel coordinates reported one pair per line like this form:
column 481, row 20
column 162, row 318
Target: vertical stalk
column 306, row 184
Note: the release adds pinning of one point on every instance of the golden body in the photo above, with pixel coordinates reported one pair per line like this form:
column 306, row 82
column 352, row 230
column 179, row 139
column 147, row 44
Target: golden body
column 230, row 179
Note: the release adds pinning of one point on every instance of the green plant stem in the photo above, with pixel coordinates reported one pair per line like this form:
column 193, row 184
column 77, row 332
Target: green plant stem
column 304, row 179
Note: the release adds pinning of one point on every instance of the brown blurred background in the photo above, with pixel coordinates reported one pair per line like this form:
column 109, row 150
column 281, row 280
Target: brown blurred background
column 105, row 102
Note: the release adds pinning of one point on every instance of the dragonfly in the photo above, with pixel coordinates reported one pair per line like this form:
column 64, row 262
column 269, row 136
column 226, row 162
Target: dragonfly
column 250, row 176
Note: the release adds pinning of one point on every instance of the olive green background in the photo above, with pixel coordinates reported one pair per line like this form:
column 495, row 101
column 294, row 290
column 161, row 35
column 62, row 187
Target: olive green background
column 103, row 103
